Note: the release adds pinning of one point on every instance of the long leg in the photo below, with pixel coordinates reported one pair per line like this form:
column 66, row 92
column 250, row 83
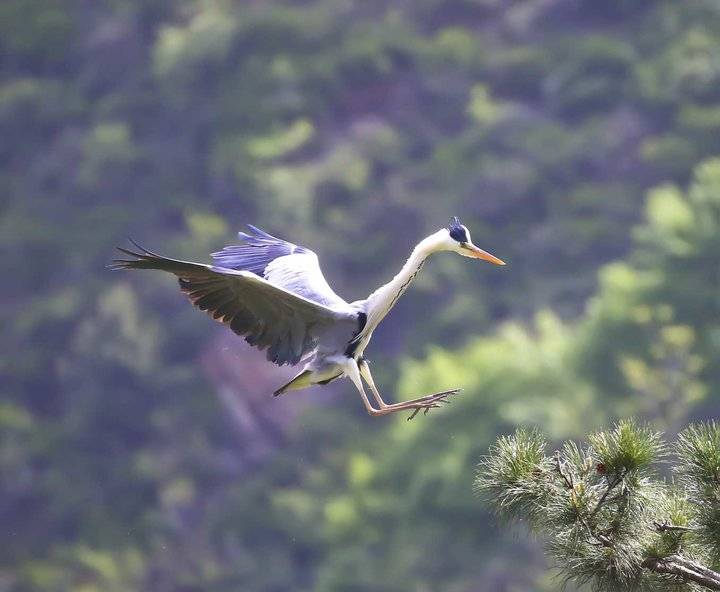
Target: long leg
column 416, row 405
column 352, row 372
column 365, row 373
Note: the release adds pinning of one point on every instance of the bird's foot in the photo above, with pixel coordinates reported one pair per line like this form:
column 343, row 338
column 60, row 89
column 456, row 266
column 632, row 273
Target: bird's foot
column 433, row 401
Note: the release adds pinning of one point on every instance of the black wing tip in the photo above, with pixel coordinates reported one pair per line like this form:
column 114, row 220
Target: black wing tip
column 129, row 252
column 145, row 252
column 118, row 264
column 137, row 257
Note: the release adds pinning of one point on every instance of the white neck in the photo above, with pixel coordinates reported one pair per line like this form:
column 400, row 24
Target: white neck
column 384, row 298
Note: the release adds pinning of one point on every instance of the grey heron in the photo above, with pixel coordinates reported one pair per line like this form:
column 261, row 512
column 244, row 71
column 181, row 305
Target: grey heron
column 273, row 293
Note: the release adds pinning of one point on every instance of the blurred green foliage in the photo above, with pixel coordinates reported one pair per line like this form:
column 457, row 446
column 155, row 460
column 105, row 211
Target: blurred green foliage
column 577, row 140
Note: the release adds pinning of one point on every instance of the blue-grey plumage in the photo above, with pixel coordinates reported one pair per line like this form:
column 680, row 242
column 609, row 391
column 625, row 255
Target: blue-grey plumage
column 273, row 293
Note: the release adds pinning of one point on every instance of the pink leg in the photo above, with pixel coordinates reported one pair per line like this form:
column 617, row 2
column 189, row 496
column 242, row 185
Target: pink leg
column 415, row 405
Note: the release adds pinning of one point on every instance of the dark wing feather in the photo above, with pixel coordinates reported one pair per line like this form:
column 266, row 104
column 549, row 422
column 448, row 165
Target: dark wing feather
column 257, row 250
column 268, row 316
column 290, row 266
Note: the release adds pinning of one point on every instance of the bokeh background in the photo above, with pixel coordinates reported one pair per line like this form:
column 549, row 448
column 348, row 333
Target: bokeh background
column 140, row 449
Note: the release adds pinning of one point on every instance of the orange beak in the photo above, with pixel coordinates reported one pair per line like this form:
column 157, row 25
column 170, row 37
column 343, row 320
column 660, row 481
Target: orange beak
column 478, row 253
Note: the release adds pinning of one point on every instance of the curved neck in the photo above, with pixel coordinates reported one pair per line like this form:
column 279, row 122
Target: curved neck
column 379, row 303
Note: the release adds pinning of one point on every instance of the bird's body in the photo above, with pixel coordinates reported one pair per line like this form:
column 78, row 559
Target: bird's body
column 274, row 294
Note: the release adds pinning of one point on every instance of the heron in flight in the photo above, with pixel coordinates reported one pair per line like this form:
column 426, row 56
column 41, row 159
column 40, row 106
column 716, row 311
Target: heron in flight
column 274, row 294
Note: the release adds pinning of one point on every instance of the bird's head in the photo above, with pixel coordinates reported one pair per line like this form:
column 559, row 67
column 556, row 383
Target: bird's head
column 456, row 237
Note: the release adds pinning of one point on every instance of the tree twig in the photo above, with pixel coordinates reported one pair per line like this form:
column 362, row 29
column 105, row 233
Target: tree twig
column 602, row 539
column 686, row 569
column 611, row 485
column 666, row 526
column 558, row 466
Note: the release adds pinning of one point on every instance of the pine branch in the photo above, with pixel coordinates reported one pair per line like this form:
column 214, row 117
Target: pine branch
column 606, row 517
column 666, row 527
column 570, row 484
column 684, row 568
column 611, row 485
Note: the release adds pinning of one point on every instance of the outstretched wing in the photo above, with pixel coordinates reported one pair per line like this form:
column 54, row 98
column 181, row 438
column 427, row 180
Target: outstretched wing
column 284, row 264
column 267, row 315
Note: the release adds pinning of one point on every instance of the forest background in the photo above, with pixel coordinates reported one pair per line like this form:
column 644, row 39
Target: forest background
column 139, row 447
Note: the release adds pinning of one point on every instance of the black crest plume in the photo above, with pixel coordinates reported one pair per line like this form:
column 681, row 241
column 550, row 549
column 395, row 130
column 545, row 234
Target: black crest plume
column 457, row 231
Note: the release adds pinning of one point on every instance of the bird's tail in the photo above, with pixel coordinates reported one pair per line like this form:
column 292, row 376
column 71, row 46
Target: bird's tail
column 301, row 381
